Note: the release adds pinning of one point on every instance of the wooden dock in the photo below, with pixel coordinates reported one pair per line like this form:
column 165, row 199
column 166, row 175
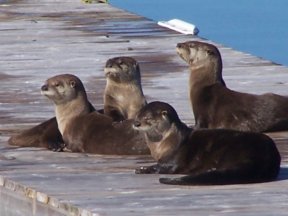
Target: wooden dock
column 43, row 38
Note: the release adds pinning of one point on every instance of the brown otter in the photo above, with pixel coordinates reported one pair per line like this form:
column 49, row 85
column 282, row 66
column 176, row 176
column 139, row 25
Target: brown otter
column 123, row 96
column 86, row 131
column 209, row 156
column 123, row 81
column 216, row 106
column 45, row 135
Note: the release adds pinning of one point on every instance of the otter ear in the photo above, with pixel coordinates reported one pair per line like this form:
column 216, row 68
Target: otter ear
column 72, row 84
column 136, row 67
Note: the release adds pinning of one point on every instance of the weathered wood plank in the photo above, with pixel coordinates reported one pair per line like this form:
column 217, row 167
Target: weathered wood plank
column 43, row 38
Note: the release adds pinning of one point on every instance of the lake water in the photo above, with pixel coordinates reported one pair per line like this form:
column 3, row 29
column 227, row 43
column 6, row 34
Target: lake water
column 259, row 27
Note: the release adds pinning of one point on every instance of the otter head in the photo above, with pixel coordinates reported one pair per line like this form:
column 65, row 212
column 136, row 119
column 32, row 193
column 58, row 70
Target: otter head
column 63, row 88
column 122, row 70
column 193, row 52
column 202, row 57
column 163, row 129
column 156, row 119
column 69, row 96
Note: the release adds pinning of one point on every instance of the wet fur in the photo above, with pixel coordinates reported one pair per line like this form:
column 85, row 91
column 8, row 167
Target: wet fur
column 218, row 156
column 216, row 106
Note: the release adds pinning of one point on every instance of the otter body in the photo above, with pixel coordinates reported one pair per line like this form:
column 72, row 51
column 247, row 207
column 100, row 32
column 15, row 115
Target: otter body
column 216, row 106
column 44, row 135
column 217, row 156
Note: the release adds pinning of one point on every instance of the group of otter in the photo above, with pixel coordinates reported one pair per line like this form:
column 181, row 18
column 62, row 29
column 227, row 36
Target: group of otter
column 226, row 145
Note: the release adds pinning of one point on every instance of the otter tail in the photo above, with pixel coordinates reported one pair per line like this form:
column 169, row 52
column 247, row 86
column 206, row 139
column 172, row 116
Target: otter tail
column 220, row 178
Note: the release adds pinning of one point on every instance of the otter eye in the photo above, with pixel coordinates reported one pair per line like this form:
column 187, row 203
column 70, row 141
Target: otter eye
column 57, row 84
column 120, row 61
column 191, row 45
column 146, row 118
column 210, row 52
column 72, row 84
column 164, row 112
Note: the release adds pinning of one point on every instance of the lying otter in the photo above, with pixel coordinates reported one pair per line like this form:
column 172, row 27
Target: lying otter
column 123, row 98
column 216, row 106
column 86, row 131
column 45, row 135
column 217, row 156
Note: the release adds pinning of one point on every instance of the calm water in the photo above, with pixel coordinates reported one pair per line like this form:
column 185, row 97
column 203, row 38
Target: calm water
column 259, row 27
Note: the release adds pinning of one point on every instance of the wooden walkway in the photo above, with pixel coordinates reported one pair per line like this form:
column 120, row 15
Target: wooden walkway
column 43, row 38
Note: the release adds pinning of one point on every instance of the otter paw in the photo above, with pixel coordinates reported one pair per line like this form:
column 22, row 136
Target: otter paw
column 56, row 147
column 142, row 170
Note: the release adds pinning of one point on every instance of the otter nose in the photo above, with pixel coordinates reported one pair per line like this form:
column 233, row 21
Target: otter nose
column 137, row 124
column 44, row 88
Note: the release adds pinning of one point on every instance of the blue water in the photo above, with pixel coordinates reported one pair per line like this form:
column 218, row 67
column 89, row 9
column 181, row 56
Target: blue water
column 259, row 27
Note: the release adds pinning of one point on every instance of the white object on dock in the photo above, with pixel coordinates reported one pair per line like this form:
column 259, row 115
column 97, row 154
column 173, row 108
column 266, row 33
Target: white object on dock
column 180, row 26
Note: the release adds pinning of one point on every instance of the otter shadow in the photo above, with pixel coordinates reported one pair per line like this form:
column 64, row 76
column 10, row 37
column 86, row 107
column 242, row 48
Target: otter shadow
column 283, row 174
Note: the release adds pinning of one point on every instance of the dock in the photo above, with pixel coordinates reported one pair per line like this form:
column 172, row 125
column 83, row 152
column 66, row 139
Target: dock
column 40, row 39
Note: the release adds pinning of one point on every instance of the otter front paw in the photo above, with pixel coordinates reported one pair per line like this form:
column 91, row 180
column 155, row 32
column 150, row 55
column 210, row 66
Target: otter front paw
column 147, row 169
column 56, row 147
column 141, row 170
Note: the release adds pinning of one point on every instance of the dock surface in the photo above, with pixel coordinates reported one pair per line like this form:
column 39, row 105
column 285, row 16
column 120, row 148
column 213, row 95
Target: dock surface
column 40, row 39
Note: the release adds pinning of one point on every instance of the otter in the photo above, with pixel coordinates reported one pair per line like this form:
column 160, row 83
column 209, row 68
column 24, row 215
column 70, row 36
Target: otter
column 85, row 131
column 123, row 98
column 123, row 95
column 208, row 156
column 216, row 106
column 44, row 135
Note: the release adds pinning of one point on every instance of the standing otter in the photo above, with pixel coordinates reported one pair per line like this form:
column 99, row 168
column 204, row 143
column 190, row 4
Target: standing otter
column 216, row 106
column 86, row 131
column 123, row 96
column 218, row 156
